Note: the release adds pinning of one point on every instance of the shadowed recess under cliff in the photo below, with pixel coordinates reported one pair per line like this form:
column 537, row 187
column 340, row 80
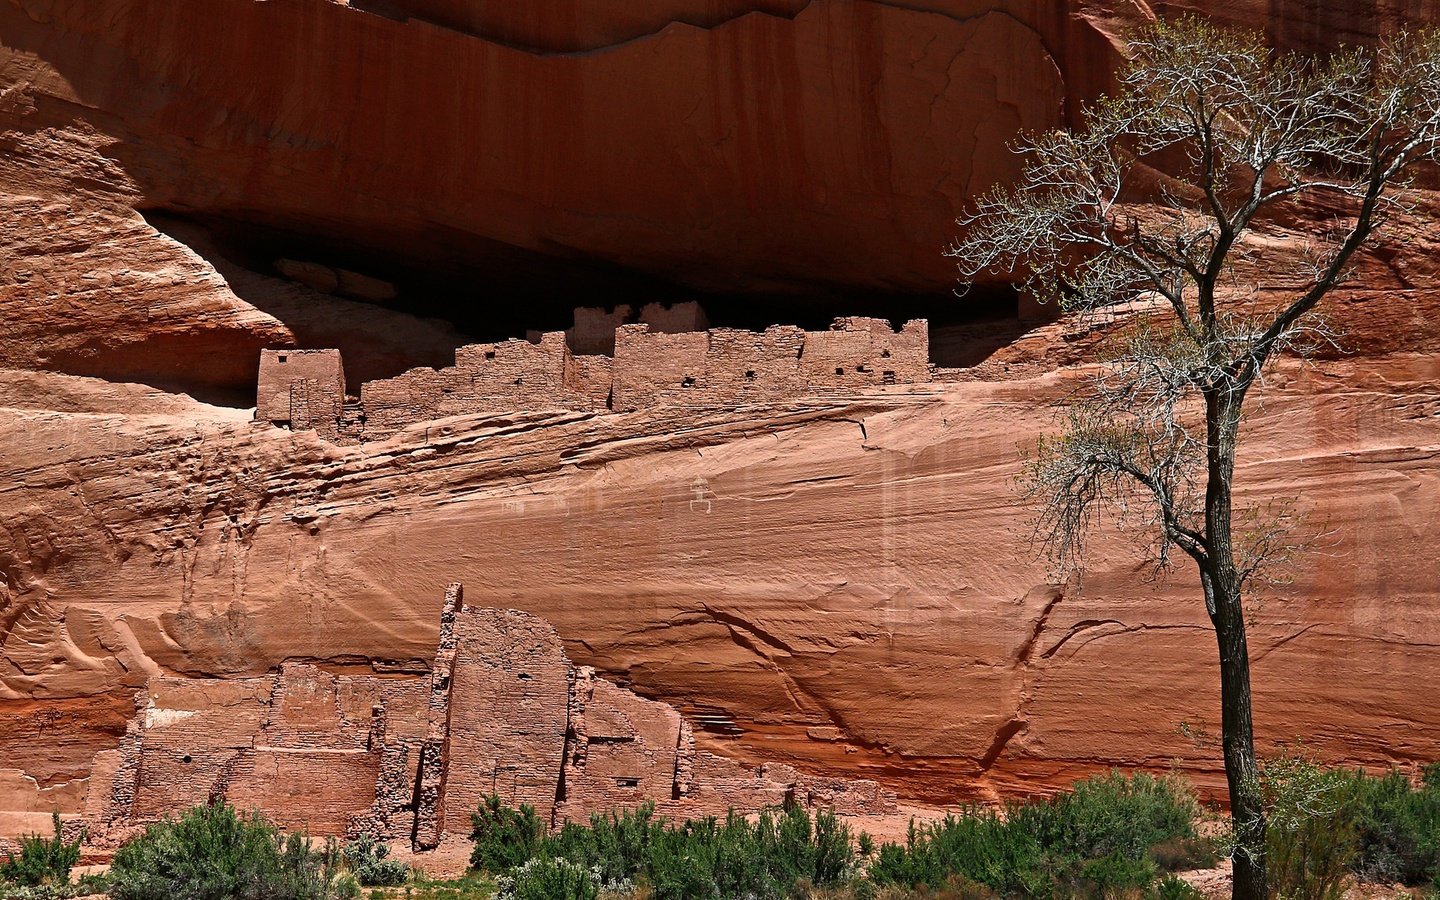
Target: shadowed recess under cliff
column 389, row 312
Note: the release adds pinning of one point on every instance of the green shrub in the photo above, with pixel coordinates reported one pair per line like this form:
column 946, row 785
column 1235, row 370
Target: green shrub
column 548, row 878
column 1397, row 828
column 213, row 853
column 366, row 858
column 1172, row 888
column 504, row 838
column 1117, row 875
column 84, row 887
column 708, row 857
column 1111, row 814
column 1310, row 835
column 42, row 861
column 347, row 888
column 976, row 844
column 1105, row 836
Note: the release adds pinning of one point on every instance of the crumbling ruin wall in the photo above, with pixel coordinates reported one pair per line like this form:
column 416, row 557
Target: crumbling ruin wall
column 509, row 696
column 620, row 749
column 862, row 352
column 410, row 756
column 653, row 365
column 723, row 366
column 301, row 389
column 594, row 330
column 505, row 377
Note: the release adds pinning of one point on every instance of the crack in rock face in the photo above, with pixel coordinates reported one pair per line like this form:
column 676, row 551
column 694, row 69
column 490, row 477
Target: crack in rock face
column 817, row 590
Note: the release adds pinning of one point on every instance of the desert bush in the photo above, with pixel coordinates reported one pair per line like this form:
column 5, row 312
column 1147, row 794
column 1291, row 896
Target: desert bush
column 347, row 887
column 710, row 857
column 1102, row 838
column 1310, row 836
column 1178, row 854
column 85, row 886
column 977, row 844
column 504, row 837
column 548, row 878
column 367, row 860
column 1172, row 888
column 1117, row 875
column 214, row 853
column 1111, row 814
column 42, row 861
column 1397, row 828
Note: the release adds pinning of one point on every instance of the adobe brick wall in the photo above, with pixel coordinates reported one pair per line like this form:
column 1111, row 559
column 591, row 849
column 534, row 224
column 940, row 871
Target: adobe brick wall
column 660, row 364
column 509, row 697
column 509, row 376
column 724, row 366
column 301, row 389
column 503, row 711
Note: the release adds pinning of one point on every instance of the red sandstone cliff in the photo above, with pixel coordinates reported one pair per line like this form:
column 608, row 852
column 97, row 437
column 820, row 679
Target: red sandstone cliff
column 794, row 145
column 841, row 583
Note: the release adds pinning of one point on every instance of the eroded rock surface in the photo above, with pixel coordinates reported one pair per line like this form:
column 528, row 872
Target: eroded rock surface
column 844, row 584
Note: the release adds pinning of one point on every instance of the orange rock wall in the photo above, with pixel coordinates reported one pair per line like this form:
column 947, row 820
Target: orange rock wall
column 845, row 584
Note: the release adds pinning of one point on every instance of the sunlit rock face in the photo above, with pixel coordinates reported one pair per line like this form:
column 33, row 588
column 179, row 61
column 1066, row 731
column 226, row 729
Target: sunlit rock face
column 841, row 583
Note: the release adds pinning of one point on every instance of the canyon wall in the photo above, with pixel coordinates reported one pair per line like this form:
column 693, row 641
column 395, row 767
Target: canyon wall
column 844, row 584
column 774, row 145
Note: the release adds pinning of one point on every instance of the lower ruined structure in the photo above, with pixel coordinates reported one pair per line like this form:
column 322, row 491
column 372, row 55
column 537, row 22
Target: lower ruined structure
column 652, row 365
column 409, row 756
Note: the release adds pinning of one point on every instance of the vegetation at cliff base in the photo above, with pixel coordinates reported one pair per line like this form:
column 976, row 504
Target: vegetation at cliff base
column 1112, row 834
column 709, row 857
column 42, row 861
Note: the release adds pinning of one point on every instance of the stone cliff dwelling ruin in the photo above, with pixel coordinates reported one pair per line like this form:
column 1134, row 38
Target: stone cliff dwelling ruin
column 409, row 755
column 661, row 361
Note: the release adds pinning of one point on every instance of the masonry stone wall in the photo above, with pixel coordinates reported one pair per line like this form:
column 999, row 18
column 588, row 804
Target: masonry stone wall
column 653, row 365
column 509, row 376
column 301, row 389
column 407, row 756
column 723, row 366
column 508, row 701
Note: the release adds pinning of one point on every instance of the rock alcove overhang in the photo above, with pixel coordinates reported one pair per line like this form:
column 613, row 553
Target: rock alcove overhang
column 390, row 307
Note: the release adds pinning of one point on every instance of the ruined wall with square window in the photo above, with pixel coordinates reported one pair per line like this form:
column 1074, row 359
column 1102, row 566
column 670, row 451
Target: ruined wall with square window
column 724, row 366
column 301, row 390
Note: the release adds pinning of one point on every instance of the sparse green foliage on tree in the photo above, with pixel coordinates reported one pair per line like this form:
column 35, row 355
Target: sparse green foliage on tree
column 1243, row 134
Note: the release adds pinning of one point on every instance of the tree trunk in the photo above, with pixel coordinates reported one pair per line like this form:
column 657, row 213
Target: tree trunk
column 1222, row 596
column 1247, row 810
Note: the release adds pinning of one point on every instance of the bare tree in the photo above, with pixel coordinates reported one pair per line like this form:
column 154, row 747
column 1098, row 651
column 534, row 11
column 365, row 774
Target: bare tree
column 1154, row 202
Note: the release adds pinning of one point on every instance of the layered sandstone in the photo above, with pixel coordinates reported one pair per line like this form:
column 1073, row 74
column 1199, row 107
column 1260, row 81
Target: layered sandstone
column 840, row 582
column 799, row 146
